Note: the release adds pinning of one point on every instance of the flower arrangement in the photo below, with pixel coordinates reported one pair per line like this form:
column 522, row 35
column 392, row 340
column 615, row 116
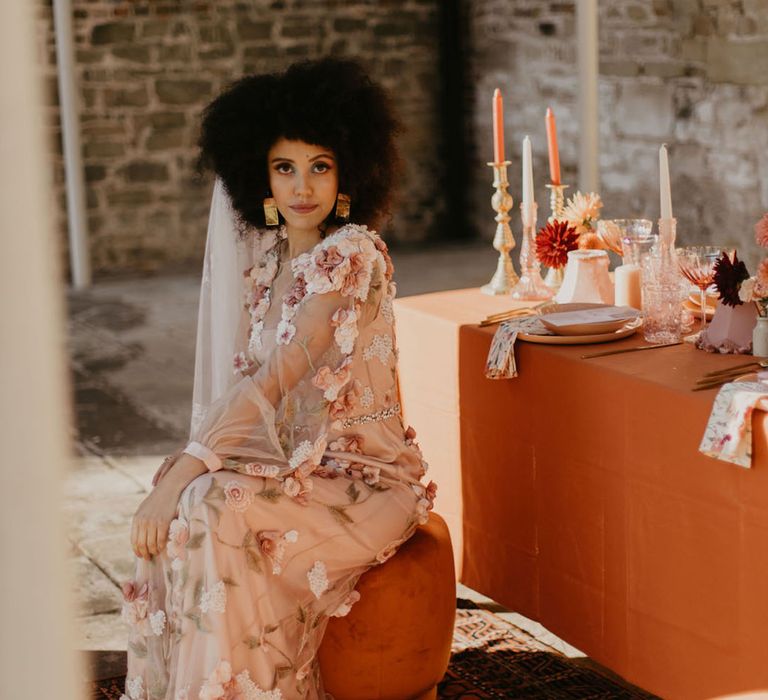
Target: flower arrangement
column 582, row 211
column 554, row 241
column 755, row 289
column 574, row 229
column 729, row 274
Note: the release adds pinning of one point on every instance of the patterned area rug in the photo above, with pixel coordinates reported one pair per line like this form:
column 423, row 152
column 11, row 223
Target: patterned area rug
column 491, row 659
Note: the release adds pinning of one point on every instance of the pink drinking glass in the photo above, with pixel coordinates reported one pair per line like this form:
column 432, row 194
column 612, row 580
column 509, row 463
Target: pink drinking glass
column 697, row 264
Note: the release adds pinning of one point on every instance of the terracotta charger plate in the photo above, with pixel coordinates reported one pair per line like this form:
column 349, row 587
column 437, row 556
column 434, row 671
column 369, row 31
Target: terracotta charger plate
column 600, row 333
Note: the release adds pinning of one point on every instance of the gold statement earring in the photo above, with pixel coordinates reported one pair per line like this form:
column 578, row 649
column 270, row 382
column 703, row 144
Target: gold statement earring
column 270, row 212
column 343, row 202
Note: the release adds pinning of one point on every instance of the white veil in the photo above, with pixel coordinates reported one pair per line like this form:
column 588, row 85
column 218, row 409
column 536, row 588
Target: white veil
column 221, row 307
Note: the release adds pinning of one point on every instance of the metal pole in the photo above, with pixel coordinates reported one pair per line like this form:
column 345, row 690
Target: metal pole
column 79, row 254
column 37, row 658
column 587, row 51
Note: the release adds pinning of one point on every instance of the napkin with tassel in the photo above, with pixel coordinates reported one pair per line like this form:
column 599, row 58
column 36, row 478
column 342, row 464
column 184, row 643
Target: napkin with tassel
column 728, row 435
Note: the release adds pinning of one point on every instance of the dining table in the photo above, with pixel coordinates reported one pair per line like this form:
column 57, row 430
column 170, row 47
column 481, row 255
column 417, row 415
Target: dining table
column 576, row 495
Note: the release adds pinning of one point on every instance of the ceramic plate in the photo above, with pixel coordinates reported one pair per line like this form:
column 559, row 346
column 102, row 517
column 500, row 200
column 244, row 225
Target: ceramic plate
column 581, row 329
column 625, row 331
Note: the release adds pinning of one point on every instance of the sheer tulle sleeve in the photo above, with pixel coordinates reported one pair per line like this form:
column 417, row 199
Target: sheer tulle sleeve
column 275, row 421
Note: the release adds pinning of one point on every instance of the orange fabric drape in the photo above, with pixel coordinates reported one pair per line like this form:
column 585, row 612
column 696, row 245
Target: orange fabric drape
column 584, row 503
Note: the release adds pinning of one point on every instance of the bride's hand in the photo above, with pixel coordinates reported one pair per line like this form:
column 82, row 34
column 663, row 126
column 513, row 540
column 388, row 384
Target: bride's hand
column 152, row 520
column 163, row 469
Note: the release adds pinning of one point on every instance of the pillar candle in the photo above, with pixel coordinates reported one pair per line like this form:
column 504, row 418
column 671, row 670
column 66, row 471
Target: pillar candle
column 664, row 190
column 528, row 198
column 498, row 127
column 626, row 279
column 554, row 155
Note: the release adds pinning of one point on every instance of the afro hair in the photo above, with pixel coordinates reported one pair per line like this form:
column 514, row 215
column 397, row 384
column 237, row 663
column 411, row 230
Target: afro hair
column 330, row 103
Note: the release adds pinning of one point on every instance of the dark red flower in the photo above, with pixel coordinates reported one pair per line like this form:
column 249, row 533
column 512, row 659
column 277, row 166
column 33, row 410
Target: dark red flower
column 554, row 241
column 729, row 274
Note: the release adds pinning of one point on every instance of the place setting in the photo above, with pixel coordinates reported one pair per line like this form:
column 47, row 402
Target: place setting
column 566, row 293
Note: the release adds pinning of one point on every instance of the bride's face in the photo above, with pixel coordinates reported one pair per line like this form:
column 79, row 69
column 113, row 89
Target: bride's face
column 304, row 181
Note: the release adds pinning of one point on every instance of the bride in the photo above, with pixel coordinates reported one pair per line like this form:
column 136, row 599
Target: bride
column 299, row 474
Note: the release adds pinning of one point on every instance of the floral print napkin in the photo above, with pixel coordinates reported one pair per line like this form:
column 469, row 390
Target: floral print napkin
column 728, row 435
column 501, row 357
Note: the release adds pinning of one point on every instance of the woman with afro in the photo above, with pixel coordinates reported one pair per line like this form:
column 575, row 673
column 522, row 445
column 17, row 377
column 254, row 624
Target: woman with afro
column 299, row 474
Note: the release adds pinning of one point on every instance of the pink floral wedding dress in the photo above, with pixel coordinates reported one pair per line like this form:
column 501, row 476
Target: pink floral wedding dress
column 312, row 479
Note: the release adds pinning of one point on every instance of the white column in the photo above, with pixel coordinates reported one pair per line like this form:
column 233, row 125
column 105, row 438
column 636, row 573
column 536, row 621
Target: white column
column 79, row 255
column 587, row 52
column 36, row 647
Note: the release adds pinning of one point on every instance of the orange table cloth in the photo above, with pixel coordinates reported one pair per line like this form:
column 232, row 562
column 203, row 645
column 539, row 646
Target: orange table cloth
column 582, row 500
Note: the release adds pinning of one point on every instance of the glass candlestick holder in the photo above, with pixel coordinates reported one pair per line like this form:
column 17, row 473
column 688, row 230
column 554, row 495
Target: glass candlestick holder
column 556, row 201
column 531, row 286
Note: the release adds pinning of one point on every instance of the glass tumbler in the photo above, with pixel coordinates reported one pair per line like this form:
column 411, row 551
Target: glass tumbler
column 662, row 311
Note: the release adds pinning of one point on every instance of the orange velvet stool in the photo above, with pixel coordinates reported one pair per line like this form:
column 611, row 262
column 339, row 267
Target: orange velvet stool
column 396, row 642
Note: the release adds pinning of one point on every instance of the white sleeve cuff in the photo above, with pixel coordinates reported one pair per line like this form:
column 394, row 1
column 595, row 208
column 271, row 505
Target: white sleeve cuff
column 206, row 455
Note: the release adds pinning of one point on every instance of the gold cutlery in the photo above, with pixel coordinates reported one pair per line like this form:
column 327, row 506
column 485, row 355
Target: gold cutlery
column 736, row 368
column 513, row 313
column 712, row 384
column 635, row 349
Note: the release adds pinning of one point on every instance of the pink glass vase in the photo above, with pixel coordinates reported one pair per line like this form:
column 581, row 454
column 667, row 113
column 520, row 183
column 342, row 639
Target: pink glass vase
column 730, row 330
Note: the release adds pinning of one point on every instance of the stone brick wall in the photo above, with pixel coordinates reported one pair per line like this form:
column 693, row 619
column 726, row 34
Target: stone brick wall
column 691, row 73
column 146, row 68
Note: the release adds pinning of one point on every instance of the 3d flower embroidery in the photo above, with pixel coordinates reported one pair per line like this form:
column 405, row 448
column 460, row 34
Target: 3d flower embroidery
column 214, row 600
column 347, row 402
column 157, row 622
column 257, row 469
column 272, row 544
column 135, row 688
column 318, row 579
column 347, row 443
column 240, row 363
column 248, row 690
column 218, row 682
column 307, row 456
column 345, row 323
column 388, row 551
column 346, row 605
column 136, row 607
column 178, row 535
column 330, row 382
column 285, row 332
column 371, row 475
column 237, row 497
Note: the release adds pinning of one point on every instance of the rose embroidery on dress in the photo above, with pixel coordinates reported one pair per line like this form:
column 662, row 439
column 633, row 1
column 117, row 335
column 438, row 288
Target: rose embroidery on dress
column 272, row 544
column 237, row 497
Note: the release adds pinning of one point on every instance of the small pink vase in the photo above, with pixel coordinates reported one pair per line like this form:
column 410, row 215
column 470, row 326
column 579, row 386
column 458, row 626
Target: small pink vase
column 730, row 330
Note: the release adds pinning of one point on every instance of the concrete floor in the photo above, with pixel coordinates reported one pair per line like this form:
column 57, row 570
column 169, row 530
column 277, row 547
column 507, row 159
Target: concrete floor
column 131, row 344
